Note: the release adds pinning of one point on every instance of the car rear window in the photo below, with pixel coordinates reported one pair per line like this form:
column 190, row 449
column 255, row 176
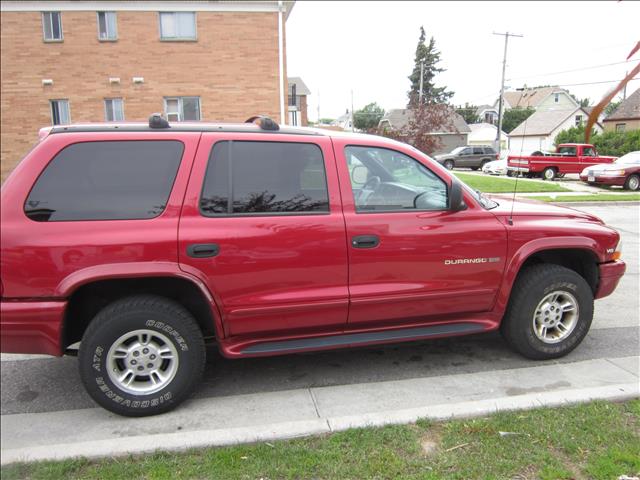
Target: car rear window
column 264, row 178
column 120, row 180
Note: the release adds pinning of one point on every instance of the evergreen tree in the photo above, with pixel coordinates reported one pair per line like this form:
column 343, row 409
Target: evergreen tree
column 431, row 57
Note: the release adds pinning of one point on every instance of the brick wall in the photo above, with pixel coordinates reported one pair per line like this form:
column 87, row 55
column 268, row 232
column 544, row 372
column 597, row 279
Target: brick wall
column 232, row 67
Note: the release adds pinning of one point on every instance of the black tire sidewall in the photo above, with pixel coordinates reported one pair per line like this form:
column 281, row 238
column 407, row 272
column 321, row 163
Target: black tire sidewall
column 523, row 316
column 93, row 361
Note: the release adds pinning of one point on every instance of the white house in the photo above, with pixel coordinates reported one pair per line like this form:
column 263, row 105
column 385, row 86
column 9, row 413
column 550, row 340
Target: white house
column 539, row 131
column 485, row 134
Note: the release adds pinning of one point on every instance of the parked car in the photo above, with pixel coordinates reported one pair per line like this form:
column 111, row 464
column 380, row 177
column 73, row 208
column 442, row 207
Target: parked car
column 146, row 242
column 497, row 167
column 471, row 156
column 569, row 158
column 625, row 172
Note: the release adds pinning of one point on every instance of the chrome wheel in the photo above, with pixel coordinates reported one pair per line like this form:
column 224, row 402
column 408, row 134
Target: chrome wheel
column 555, row 317
column 633, row 182
column 142, row 362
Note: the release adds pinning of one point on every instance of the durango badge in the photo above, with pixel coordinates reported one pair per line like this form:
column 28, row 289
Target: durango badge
column 464, row 261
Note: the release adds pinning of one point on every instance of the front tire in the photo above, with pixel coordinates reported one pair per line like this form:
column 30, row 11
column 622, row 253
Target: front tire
column 141, row 355
column 632, row 183
column 549, row 313
column 449, row 164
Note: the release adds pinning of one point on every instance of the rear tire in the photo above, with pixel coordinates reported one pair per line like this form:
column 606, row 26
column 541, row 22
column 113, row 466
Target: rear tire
column 549, row 173
column 449, row 164
column 141, row 355
column 632, row 183
column 549, row 313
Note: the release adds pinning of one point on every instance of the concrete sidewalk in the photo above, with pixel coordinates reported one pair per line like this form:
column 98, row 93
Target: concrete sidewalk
column 285, row 414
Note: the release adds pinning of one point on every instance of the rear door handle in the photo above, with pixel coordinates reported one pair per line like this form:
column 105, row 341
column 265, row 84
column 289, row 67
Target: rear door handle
column 203, row 250
column 365, row 241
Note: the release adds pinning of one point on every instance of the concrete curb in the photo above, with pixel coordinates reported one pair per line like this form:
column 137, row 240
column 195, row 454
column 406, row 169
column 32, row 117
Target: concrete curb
column 286, row 430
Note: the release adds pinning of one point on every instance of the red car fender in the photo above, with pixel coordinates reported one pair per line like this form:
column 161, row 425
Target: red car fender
column 520, row 256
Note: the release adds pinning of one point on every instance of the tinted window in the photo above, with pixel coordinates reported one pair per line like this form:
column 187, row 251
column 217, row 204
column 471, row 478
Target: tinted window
column 489, row 151
column 466, row 151
column 106, row 181
column 478, row 151
column 264, row 177
column 386, row 180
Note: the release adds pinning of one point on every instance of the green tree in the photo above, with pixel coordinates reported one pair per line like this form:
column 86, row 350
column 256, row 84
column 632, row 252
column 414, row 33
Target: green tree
column 326, row 121
column 469, row 113
column 431, row 57
column 513, row 117
column 583, row 102
column 367, row 118
column 609, row 109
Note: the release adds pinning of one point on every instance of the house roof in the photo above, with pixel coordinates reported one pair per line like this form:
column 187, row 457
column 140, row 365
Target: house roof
column 530, row 97
column 475, row 127
column 628, row 109
column 399, row 118
column 543, row 122
column 483, row 108
column 301, row 88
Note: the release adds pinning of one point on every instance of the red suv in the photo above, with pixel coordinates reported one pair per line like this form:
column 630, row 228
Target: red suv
column 145, row 242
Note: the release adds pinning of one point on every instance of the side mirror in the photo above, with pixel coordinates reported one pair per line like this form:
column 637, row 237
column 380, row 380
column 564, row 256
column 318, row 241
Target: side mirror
column 456, row 200
column 359, row 174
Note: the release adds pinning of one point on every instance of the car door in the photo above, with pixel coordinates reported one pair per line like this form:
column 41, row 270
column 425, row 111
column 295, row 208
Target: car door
column 478, row 155
column 411, row 259
column 587, row 158
column 465, row 158
column 262, row 225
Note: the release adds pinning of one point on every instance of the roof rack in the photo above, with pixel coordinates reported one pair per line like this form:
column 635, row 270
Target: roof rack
column 264, row 122
column 156, row 120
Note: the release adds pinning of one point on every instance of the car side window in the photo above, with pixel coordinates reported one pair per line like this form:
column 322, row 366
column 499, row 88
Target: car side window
column 264, row 178
column 466, row 151
column 567, row 151
column 478, row 151
column 121, row 180
column 387, row 180
column 589, row 152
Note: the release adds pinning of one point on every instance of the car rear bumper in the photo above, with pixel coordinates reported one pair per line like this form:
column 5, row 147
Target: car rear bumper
column 610, row 275
column 605, row 180
column 31, row 327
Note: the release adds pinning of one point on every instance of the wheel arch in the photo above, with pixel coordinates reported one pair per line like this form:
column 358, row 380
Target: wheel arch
column 579, row 254
column 87, row 298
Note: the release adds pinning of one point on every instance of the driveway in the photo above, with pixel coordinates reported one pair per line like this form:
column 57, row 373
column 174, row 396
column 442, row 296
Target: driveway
column 43, row 404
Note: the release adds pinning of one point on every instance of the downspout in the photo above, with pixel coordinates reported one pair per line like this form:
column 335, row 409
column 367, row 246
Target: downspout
column 281, row 62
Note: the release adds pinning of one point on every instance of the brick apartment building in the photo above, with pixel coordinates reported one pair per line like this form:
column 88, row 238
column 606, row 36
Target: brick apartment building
column 96, row 61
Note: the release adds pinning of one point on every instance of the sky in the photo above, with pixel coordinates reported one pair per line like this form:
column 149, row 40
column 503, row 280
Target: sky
column 369, row 48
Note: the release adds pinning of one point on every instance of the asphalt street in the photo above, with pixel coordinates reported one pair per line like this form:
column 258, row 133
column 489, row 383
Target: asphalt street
column 45, row 384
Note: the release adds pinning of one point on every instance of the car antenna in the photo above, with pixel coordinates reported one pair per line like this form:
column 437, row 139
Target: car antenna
column 515, row 187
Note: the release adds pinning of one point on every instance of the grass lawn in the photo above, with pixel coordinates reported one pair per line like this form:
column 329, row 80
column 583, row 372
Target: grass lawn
column 597, row 197
column 489, row 184
column 599, row 440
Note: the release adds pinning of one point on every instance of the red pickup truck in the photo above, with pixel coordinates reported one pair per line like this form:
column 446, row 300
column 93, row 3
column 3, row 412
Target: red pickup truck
column 145, row 242
column 569, row 158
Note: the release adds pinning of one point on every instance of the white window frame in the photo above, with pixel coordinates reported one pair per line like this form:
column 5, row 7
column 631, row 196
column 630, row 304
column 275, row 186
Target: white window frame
column 180, row 111
column 44, row 32
column 57, row 101
column 106, row 109
column 578, row 120
column 178, row 38
column 114, row 36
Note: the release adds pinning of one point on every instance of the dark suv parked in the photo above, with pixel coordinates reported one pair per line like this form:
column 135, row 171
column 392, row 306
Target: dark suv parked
column 473, row 157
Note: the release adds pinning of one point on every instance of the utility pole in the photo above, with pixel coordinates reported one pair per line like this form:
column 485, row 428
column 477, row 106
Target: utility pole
column 353, row 127
column 624, row 92
column 421, row 81
column 501, row 100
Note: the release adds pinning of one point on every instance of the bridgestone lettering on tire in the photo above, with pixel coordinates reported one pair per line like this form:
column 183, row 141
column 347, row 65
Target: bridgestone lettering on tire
column 549, row 313
column 141, row 355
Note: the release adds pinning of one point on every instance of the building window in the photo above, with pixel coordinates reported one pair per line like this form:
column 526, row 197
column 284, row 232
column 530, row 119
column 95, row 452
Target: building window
column 556, row 98
column 113, row 110
column 178, row 109
column 620, row 127
column 107, row 26
column 177, row 25
column 578, row 120
column 60, row 112
column 52, row 26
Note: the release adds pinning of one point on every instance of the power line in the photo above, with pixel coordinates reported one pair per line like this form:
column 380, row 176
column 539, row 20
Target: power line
column 573, row 70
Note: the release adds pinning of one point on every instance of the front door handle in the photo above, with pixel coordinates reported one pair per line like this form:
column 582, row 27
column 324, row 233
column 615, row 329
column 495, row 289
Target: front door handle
column 365, row 241
column 203, row 250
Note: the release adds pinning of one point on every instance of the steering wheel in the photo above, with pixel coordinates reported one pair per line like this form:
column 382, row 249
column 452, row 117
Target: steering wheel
column 367, row 190
column 372, row 183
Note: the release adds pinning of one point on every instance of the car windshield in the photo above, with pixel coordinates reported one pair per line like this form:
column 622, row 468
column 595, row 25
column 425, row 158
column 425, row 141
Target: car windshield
column 632, row 158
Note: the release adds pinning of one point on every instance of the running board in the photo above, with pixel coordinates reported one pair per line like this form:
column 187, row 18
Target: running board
column 363, row 338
